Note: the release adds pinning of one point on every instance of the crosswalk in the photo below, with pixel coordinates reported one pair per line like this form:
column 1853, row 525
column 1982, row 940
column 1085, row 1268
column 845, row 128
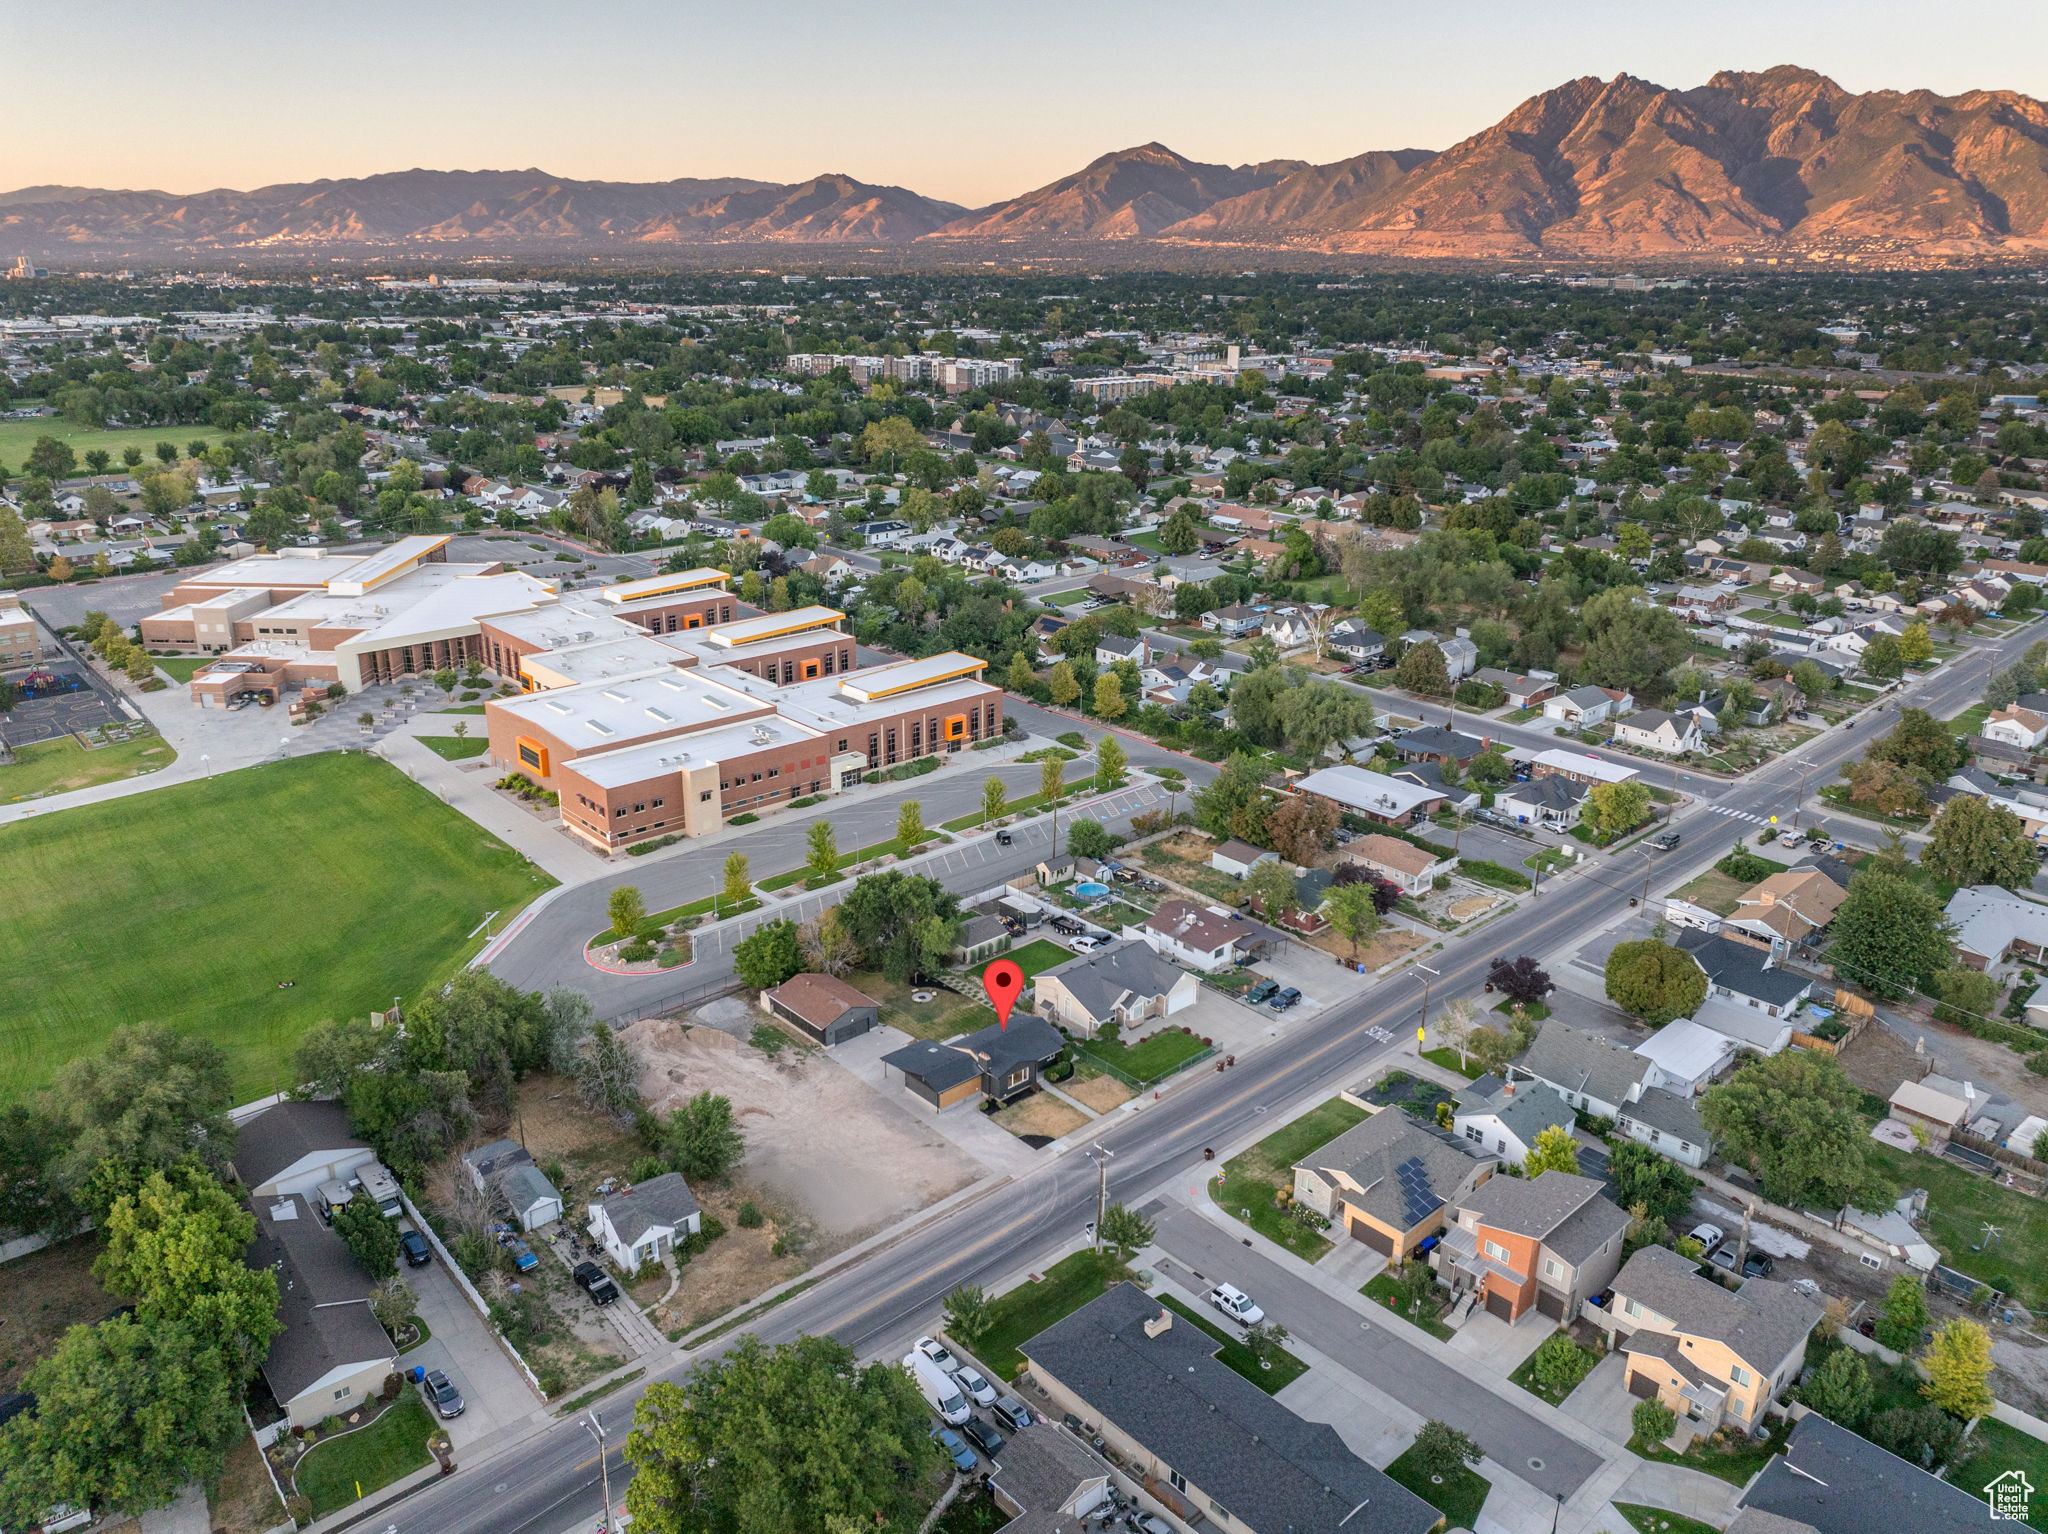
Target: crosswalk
column 1755, row 820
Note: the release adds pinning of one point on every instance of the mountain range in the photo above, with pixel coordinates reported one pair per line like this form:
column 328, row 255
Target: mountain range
column 1782, row 159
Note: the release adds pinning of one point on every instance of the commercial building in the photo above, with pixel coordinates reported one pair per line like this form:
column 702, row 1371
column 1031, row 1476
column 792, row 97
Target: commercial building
column 653, row 707
column 19, row 644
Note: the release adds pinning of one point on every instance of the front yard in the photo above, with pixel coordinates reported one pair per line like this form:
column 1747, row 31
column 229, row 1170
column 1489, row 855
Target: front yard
column 1385, row 1289
column 1730, row 1454
column 1018, row 1316
column 1459, row 1496
column 1149, row 1060
column 1037, row 956
column 1555, row 1369
column 342, row 1470
column 1252, row 1180
column 1273, row 1376
column 1711, row 891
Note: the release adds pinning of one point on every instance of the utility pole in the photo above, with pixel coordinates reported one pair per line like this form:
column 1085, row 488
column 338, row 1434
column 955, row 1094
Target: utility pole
column 1423, row 1027
column 1101, row 1158
column 595, row 1425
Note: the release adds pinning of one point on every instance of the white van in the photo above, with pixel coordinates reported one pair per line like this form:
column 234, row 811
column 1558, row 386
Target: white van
column 940, row 1393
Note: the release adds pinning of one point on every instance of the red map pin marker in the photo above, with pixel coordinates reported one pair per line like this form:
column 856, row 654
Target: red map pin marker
column 1004, row 982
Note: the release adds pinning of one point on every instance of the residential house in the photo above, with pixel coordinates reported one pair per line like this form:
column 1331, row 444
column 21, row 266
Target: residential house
column 1206, row 939
column 1580, row 767
column 1936, row 1105
column 882, row 533
column 1372, row 795
column 1111, row 648
column 1352, row 640
column 1547, row 1244
column 998, row 1062
column 1291, row 630
column 1683, row 1057
column 1430, row 775
column 1710, row 1354
column 332, row 1355
column 1495, row 1117
column 1791, row 907
column 1125, row 984
column 641, row 1223
column 1214, row 1449
column 1997, row 929
column 1655, row 730
column 1048, row 1481
column 824, row 1006
column 2018, row 727
column 1400, row 863
column 1584, row 707
column 1529, row 691
column 1238, row 858
column 1597, row 1076
column 1386, row 1182
column 1791, row 582
column 505, row 1168
column 1705, row 604
column 1023, row 571
column 1549, row 800
column 1435, row 743
column 296, row 1147
column 1749, row 996
column 981, row 937
column 1233, row 622
column 1832, row 1481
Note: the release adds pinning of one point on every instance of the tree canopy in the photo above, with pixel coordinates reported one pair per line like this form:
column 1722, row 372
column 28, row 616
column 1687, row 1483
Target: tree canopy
column 1654, row 981
column 1795, row 1120
column 903, row 923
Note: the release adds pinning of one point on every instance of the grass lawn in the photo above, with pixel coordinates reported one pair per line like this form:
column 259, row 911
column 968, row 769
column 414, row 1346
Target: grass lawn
column 1460, row 1497
column 1971, row 720
column 1285, row 1367
column 187, row 906
column 17, row 437
column 1029, row 804
column 1252, row 1177
column 1148, row 1061
column 1065, row 598
column 948, row 1013
column 1734, row 1457
column 336, row 1473
column 180, row 668
column 59, row 766
column 1712, row 891
column 1525, row 1374
column 455, row 748
column 1015, row 1318
column 1998, row 1449
column 1655, row 1520
column 1448, row 1059
column 1959, row 1204
column 460, row 708
column 1038, row 955
column 1386, row 1292
column 1145, row 541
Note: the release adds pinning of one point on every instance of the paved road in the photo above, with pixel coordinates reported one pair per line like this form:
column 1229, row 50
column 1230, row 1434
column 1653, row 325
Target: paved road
column 1375, row 1351
column 549, row 1481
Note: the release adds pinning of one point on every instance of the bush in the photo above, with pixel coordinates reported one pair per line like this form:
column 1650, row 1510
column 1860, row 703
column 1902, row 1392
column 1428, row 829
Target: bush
column 639, row 951
column 640, row 848
column 1495, row 874
column 1073, row 738
column 750, row 1216
column 551, row 1380
column 1747, row 867
column 1652, row 1422
column 746, row 819
column 393, row 1383
column 299, row 1509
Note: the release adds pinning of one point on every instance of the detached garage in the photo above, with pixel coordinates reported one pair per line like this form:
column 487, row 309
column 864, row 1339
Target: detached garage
column 825, row 1007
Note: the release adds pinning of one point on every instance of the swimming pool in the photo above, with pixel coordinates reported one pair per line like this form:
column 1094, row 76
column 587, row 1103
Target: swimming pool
column 1091, row 890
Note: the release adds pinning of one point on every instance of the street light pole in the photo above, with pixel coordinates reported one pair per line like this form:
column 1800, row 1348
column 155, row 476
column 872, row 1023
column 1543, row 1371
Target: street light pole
column 595, row 1426
column 1422, row 1028
column 1101, row 1158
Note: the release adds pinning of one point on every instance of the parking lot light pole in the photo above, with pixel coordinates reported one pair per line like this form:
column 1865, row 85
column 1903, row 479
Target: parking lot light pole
column 595, row 1425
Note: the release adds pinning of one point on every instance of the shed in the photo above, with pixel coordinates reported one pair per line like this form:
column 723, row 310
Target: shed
column 1238, row 858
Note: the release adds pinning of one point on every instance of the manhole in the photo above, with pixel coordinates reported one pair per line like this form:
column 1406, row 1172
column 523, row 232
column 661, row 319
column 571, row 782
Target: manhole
column 922, row 996
column 1535, row 1464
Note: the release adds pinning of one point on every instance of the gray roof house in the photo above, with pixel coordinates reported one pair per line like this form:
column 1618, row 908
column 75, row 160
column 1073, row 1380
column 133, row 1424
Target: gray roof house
column 1125, row 983
column 332, row 1354
column 1203, row 1438
column 643, row 1223
column 1550, row 800
column 294, row 1147
column 1743, row 979
column 1598, row 1076
column 1713, row 1354
column 1832, row 1481
column 505, row 1167
column 1388, row 1180
column 1547, row 1244
column 1495, row 1117
column 1047, row 1480
column 995, row 1061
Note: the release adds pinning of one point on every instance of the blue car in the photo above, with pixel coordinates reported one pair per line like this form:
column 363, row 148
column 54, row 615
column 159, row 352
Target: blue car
column 964, row 1459
column 1285, row 999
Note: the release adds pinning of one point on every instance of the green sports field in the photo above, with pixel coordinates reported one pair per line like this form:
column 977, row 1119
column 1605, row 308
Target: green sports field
column 188, row 904
column 17, row 437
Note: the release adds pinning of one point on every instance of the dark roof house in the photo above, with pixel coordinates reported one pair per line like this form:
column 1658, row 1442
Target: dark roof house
column 1833, row 1481
column 996, row 1061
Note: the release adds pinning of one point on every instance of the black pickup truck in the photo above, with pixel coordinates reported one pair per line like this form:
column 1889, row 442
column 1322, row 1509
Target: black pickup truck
column 595, row 1282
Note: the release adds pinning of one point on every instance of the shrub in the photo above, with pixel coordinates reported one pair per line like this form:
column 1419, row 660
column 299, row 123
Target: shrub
column 780, row 1249
column 393, row 1383
column 746, row 819
column 1746, row 867
column 552, row 1383
column 639, row 951
column 749, row 1216
column 1073, row 738
column 299, row 1509
column 1652, row 1422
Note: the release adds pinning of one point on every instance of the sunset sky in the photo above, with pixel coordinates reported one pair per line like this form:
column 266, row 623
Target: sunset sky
column 966, row 102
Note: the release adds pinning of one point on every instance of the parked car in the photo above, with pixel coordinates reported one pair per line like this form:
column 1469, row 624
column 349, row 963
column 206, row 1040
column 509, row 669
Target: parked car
column 1004, row 839
column 1236, row 1304
column 955, row 1448
column 974, row 1385
column 1285, row 999
column 1012, row 1413
column 595, row 1282
column 414, row 1245
column 442, row 1392
column 1088, row 942
column 1262, row 992
column 985, row 1437
column 938, row 1353
column 1708, row 1235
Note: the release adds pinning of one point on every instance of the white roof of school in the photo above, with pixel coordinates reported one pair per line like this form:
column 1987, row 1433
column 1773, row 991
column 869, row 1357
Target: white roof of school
column 1586, row 764
column 745, row 631
column 1373, row 792
column 634, row 764
column 624, row 708
column 613, row 654
column 885, row 681
column 664, row 585
column 367, row 574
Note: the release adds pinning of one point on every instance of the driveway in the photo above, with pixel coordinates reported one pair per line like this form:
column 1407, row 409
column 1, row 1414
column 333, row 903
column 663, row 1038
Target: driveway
column 494, row 1392
column 1601, row 1401
column 1375, row 1351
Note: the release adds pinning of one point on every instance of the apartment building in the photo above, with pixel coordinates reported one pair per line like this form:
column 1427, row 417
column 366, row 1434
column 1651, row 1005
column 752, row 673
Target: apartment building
column 653, row 707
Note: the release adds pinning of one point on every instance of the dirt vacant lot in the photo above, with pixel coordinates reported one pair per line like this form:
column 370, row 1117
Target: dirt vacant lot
column 42, row 1296
column 819, row 1140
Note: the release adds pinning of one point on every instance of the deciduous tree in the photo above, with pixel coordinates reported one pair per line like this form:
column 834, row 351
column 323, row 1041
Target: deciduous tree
column 1840, row 1389
column 1958, row 1365
column 370, row 1238
column 702, row 1139
column 1554, row 1151
column 1654, row 981
column 1795, row 1121
column 1974, row 841
column 768, row 955
column 1890, row 935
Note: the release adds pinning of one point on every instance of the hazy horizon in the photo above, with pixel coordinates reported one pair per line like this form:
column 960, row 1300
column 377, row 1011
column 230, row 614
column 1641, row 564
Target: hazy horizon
column 220, row 93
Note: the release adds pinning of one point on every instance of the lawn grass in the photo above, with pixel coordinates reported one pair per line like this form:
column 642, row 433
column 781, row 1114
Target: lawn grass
column 783, row 880
column 1712, row 891
column 1448, row 1059
column 18, row 437
column 1460, row 1497
column 187, row 905
column 1387, row 1293
column 1037, row 956
column 460, row 708
column 1150, row 1060
column 336, row 1473
column 1655, row 1520
column 455, row 748
column 1971, row 720
column 59, row 766
column 1960, row 1204
column 1999, row 1448
column 1525, row 1373
column 946, row 1015
column 182, row 668
column 1234, row 1355
column 1252, row 1177
column 1018, row 1316
column 1734, row 1458
column 1064, row 598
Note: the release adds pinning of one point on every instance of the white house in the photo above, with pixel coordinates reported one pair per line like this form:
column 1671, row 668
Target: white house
column 1654, row 730
column 505, row 1168
column 641, row 1224
column 295, row 1147
column 1401, row 863
column 2017, row 727
column 1205, row 939
column 1238, row 858
column 1584, row 707
column 1501, row 1121
column 1549, row 800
